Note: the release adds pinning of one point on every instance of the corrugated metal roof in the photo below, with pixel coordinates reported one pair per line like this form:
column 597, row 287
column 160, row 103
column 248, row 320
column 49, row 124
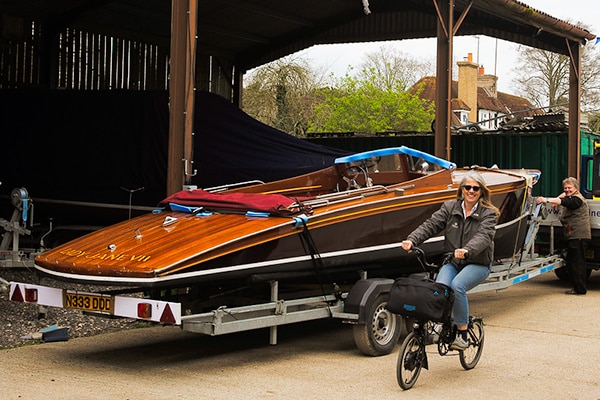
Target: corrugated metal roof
column 253, row 32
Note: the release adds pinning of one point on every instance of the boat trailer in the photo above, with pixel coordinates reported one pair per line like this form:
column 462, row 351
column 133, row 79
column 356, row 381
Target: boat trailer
column 361, row 298
column 376, row 330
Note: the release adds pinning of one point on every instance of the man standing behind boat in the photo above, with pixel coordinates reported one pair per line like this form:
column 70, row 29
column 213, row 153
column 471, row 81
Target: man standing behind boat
column 470, row 226
column 575, row 219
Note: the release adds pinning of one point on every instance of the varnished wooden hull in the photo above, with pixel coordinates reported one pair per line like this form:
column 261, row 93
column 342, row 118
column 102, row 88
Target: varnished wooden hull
column 338, row 240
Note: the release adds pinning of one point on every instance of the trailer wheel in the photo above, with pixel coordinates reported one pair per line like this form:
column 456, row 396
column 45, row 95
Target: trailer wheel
column 380, row 334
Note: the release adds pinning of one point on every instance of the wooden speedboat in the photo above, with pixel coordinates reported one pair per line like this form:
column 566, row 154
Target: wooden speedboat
column 332, row 224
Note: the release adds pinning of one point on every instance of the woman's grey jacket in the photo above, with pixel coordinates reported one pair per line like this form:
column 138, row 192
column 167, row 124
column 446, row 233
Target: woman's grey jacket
column 474, row 233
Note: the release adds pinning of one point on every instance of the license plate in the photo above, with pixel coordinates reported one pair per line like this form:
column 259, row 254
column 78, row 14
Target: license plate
column 89, row 302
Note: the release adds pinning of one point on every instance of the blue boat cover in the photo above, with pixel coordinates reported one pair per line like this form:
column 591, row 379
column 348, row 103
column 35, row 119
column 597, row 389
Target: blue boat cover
column 396, row 150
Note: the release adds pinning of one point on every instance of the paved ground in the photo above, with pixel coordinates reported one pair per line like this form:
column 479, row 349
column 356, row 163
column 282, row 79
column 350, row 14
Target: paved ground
column 540, row 344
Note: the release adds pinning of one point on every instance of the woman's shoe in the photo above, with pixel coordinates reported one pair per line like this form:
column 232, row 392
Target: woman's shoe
column 459, row 343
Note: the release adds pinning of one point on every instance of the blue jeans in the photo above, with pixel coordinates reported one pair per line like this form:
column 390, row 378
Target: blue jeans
column 462, row 279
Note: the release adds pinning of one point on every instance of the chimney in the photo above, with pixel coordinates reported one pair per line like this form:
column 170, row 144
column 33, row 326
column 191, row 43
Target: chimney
column 489, row 83
column 467, row 85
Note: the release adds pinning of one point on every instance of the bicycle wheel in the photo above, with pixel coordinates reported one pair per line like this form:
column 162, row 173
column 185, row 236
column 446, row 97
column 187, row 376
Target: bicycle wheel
column 410, row 361
column 471, row 355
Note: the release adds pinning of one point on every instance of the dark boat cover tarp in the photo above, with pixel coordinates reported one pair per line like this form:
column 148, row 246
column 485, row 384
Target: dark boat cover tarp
column 112, row 146
column 232, row 147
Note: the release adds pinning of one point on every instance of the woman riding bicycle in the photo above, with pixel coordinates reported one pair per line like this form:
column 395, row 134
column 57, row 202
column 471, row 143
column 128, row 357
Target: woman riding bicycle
column 469, row 222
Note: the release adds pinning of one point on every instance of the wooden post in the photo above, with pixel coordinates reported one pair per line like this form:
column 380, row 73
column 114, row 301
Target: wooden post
column 443, row 104
column 574, row 135
column 181, row 94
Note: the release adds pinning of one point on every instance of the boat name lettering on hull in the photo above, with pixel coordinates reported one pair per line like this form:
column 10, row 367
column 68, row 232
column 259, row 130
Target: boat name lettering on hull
column 104, row 256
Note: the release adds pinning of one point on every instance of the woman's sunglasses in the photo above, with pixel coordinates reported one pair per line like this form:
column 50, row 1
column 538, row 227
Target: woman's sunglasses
column 469, row 187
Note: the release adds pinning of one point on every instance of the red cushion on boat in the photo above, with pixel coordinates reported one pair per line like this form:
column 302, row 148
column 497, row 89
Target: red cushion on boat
column 274, row 204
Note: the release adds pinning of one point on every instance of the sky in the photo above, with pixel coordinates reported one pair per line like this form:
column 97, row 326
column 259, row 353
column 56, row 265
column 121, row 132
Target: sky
column 498, row 57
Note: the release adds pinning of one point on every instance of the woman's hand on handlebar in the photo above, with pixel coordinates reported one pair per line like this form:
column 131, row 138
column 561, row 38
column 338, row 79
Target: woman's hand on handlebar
column 407, row 245
column 461, row 254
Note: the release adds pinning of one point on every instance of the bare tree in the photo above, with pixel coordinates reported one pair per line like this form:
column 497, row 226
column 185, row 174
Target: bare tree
column 590, row 79
column 544, row 77
column 394, row 69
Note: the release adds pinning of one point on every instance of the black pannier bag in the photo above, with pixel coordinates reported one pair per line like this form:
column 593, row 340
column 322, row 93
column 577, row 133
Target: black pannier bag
column 422, row 299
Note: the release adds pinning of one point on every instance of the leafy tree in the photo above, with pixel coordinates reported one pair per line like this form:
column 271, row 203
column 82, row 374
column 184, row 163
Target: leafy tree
column 280, row 94
column 362, row 106
column 285, row 94
column 594, row 122
column 376, row 100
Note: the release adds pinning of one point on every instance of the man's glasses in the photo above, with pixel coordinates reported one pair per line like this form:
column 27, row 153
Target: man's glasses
column 469, row 187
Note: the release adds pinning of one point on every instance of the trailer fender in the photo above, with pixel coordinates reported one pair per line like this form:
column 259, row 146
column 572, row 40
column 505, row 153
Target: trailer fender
column 363, row 294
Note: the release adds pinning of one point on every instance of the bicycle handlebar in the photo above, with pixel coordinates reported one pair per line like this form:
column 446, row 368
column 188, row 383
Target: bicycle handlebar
column 429, row 266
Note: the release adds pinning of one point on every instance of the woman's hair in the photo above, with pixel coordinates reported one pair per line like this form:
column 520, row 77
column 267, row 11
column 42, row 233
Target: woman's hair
column 572, row 181
column 486, row 198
